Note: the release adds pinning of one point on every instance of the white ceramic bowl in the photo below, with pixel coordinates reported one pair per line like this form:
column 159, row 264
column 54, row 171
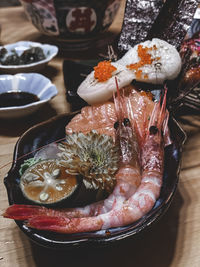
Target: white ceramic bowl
column 49, row 51
column 33, row 83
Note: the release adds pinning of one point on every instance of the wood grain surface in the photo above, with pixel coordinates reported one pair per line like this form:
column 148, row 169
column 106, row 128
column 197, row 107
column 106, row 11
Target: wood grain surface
column 174, row 241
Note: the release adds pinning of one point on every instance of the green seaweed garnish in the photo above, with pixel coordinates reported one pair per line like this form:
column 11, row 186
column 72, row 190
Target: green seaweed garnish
column 26, row 164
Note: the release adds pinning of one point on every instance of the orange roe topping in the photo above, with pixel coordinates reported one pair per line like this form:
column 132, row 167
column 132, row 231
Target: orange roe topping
column 147, row 94
column 138, row 74
column 103, row 71
column 145, row 59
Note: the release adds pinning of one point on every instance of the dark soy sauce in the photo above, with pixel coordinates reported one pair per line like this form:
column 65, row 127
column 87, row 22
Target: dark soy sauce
column 11, row 99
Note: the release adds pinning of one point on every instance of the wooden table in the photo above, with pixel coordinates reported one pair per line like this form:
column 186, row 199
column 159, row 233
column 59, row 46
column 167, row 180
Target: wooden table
column 174, row 241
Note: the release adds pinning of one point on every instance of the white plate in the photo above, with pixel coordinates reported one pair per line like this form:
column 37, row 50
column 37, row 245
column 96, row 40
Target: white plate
column 26, row 82
column 49, row 51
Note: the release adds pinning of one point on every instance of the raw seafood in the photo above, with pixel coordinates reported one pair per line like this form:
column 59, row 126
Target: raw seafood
column 153, row 62
column 124, row 209
column 126, row 184
column 101, row 117
column 98, row 117
column 93, row 91
column 159, row 61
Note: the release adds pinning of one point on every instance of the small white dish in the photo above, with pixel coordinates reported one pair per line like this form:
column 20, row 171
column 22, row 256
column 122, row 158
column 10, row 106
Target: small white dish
column 33, row 83
column 49, row 51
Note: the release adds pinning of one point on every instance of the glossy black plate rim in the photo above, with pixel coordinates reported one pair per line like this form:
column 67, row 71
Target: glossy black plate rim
column 99, row 238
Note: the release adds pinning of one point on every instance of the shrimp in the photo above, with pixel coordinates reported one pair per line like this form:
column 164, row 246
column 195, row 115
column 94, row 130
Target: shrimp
column 139, row 202
column 128, row 176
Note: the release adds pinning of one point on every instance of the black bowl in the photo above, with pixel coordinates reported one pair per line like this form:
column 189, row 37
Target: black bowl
column 53, row 130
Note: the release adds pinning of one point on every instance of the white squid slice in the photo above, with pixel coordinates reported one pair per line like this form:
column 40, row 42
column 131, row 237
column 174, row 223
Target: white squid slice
column 165, row 68
column 95, row 92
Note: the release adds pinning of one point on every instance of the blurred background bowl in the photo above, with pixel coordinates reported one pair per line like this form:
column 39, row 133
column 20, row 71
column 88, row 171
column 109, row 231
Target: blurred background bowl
column 33, row 83
column 73, row 21
column 49, row 51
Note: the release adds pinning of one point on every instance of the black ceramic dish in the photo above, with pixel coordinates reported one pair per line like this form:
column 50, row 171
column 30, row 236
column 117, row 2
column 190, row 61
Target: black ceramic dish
column 54, row 129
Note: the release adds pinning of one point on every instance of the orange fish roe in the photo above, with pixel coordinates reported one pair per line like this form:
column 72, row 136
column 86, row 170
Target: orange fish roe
column 138, row 74
column 145, row 59
column 103, row 71
column 147, row 94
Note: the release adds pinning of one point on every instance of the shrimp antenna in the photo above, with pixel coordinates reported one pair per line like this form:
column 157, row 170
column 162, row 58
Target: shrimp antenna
column 29, row 153
column 163, row 107
column 118, row 103
column 111, row 53
column 159, row 118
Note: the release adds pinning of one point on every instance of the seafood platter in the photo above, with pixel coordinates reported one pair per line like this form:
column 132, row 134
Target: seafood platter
column 110, row 169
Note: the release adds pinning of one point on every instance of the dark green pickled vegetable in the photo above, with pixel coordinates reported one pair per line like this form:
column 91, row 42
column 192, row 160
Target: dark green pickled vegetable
column 31, row 55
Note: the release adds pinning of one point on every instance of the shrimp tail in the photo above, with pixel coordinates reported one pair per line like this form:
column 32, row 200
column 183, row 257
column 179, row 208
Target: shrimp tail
column 65, row 225
column 25, row 212
column 50, row 223
column 22, row 212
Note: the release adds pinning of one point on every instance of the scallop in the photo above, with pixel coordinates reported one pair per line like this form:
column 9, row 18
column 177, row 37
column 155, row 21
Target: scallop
column 164, row 64
column 166, row 61
column 95, row 92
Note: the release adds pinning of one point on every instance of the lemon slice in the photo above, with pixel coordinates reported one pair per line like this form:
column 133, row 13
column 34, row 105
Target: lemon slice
column 46, row 182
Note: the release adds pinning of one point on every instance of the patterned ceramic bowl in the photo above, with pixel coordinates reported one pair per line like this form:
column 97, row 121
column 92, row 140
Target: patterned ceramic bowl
column 74, row 21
